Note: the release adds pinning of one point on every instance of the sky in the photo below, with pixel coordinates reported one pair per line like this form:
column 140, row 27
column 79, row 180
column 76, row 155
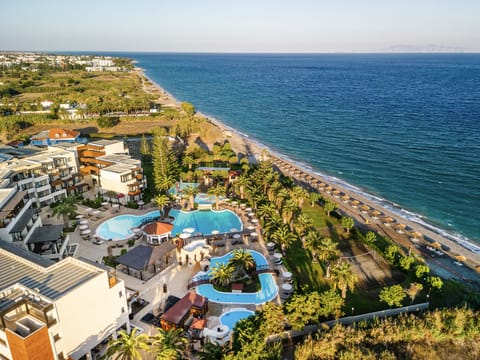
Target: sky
column 240, row 26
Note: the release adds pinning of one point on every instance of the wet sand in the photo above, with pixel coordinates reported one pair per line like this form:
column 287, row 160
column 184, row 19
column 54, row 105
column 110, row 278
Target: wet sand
column 365, row 219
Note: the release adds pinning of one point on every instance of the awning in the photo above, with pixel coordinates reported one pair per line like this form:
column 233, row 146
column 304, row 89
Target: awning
column 46, row 233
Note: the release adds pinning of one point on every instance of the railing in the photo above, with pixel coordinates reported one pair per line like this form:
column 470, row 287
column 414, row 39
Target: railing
column 264, row 269
column 199, row 281
column 148, row 220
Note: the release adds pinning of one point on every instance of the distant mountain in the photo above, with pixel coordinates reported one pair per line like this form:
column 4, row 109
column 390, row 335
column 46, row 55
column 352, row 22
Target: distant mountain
column 429, row 48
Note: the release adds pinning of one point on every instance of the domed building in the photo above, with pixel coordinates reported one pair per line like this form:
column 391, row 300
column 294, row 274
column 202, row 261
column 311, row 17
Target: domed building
column 157, row 232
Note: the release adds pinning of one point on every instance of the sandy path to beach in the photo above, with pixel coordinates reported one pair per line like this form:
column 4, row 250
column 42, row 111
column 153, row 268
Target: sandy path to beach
column 254, row 151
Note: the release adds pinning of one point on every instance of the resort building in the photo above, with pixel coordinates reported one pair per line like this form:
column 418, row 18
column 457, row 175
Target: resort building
column 60, row 310
column 54, row 136
column 192, row 306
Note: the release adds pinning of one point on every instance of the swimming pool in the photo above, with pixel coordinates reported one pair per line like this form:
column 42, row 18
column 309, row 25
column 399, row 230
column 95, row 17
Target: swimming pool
column 119, row 227
column 206, row 199
column 268, row 290
column 230, row 318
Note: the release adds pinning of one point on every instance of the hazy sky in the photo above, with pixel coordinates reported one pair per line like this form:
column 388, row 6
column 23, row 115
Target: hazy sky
column 238, row 26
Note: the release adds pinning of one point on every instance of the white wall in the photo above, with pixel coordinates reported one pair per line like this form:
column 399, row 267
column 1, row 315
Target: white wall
column 115, row 148
column 89, row 314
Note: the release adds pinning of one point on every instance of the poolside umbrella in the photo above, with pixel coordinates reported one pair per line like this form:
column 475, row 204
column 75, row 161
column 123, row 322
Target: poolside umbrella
column 184, row 236
column 141, row 203
column 189, row 230
column 254, row 221
column 136, row 230
column 79, row 216
column 215, row 232
column 251, row 227
column 83, row 227
column 86, row 232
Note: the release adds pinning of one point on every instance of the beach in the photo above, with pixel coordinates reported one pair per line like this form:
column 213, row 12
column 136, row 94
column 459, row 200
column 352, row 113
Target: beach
column 386, row 223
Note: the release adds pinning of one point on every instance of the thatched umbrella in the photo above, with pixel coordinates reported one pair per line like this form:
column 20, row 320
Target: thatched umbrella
column 388, row 220
column 336, row 193
column 436, row 245
column 345, row 198
column 322, row 185
column 365, row 208
column 400, row 228
column 329, row 188
column 315, row 181
column 355, row 203
column 460, row 257
column 415, row 235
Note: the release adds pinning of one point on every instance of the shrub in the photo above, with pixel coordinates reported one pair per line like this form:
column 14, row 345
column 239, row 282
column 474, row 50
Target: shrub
column 107, row 121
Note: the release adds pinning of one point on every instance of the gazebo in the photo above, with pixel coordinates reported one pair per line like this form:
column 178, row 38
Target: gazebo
column 191, row 304
column 158, row 232
column 147, row 259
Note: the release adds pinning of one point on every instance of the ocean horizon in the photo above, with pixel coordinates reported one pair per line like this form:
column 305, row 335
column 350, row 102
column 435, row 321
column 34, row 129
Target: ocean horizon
column 402, row 129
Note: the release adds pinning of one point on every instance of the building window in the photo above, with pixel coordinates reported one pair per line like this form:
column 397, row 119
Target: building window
column 120, row 294
column 123, row 310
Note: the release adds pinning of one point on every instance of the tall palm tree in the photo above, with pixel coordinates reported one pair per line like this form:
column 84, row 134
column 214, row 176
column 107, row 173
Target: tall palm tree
column 313, row 197
column 266, row 210
column 326, row 251
column 343, row 278
column 217, row 191
column 242, row 261
column 165, row 182
column 289, row 211
column 302, row 224
column 213, row 351
column 282, row 196
column 162, row 201
column 284, row 236
column 272, row 224
column 170, row 344
column 273, row 190
column 190, row 192
column 299, row 194
column 188, row 161
column 66, row 208
column 242, row 182
column 312, row 242
column 222, row 274
column 128, row 346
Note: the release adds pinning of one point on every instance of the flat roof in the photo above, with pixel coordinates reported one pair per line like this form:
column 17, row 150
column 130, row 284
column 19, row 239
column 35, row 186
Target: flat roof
column 46, row 233
column 104, row 142
column 23, row 221
column 52, row 281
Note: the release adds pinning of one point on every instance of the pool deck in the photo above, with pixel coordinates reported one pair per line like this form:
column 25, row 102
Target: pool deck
column 175, row 276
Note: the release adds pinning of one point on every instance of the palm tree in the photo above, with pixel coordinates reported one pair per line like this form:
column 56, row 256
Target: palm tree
column 343, row 278
column 213, row 351
column 242, row 182
column 128, row 346
column 217, row 191
column 313, row 197
column 272, row 224
column 222, row 274
column 329, row 206
column 299, row 194
column 266, row 210
column 272, row 192
column 170, row 344
column 302, row 224
column 162, row 201
column 284, row 237
column 190, row 192
column 164, row 182
column 347, row 223
column 289, row 211
column 282, row 196
column 312, row 242
column 66, row 208
column 188, row 161
column 326, row 251
column 414, row 290
column 242, row 261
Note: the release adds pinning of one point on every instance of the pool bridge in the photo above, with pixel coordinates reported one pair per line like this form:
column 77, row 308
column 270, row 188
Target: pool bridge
column 206, row 279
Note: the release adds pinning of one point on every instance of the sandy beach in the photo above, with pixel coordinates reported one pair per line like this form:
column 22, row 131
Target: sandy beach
column 408, row 234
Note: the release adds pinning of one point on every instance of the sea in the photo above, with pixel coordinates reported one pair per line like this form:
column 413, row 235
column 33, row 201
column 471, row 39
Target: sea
column 403, row 129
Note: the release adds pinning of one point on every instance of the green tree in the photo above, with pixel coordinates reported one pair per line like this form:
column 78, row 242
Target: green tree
column 421, row 270
column 190, row 192
column 67, row 207
column 242, row 261
column 392, row 295
column 347, row 223
column 312, row 243
column 242, row 182
column 145, row 146
column 213, row 351
column 162, row 201
column 188, row 161
column 329, row 206
column 327, row 250
column 302, row 224
column 165, row 169
column 273, row 319
column 413, row 290
column 406, row 262
column 299, row 194
column 284, row 237
column 188, row 108
column 128, row 346
column 314, row 197
column 217, row 191
column 435, row 282
column 222, row 274
column 391, row 253
column 170, row 344
column 370, row 238
column 343, row 278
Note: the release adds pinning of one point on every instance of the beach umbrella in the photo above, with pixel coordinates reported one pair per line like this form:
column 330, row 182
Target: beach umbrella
column 376, row 214
column 436, row 245
column 460, row 257
column 355, row 203
column 400, row 227
column 85, row 232
column 365, row 208
column 388, row 220
column 215, row 232
column 322, row 185
column 329, row 188
column 189, row 230
column 336, row 192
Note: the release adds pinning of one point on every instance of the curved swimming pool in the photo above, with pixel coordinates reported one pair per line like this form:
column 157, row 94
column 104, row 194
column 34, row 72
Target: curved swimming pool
column 267, row 292
column 230, row 318
column 224, row 221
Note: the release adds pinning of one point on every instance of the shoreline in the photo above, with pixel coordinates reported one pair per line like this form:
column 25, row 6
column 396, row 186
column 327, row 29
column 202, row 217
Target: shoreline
column 253, row 149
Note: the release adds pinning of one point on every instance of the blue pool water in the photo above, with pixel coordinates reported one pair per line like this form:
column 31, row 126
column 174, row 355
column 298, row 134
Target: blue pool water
column 268, row 291
column 230, row 318
column 206, row 199
column 178, row 188
column 119, row 227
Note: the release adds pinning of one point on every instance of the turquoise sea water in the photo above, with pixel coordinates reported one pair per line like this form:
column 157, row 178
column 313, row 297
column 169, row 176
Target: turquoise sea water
column 404, row 128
